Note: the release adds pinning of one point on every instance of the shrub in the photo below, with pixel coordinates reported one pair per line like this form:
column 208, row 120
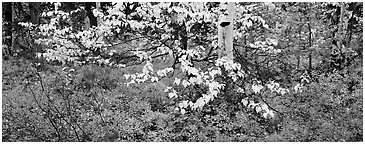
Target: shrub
column 91, row 103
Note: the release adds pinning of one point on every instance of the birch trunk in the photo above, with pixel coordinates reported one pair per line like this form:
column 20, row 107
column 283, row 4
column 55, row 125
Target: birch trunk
column 98, row 19
column 229, row 31
column 225, row 32
column 99, row 22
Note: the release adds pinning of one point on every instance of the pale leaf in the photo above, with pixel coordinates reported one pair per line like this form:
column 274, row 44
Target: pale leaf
column 167, row 89
column 258, row 109
column 177, row 81
column 127, row 76
column 185, row 83
column 244, row 102
column 185, row 104
column 265, row 114
column 257, row 88
column 271, row 113
column 183, row 111
column 265, row 107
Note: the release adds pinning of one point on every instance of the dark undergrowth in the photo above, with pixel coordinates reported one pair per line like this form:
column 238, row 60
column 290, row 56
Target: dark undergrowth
column 92, row 103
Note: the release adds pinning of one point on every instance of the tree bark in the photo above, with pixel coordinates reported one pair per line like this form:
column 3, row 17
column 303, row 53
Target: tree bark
column 98, row 19
column 13, row 23
column 220, row 40
column 225, row 31
column 56, row 5
column 229, row 34
column 298, row 61
column 341, row 22
column 351, row 22
column 309, row 43
column 7, row 27
column 99, row 22
column 87, row 23
column 33, row 9
column 310, row 50
column 89, row 14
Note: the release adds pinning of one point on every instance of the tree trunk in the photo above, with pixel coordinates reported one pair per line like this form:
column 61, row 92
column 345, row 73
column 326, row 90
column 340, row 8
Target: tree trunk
column 225, row 31
column 229, row 34
column 7, row 27
column 298, row 61
column 310, row 50
column 33, row 9
column 99, row 22
column 13, row 23
column 245, row 50
column 98, row 19
column 56, row 5
column 87, row 23
column 349, row 30
column 91, row 18
column 310, row 45
column 341, row 24
column 34, row 18
column 221, row 48
column 299, row 52
column 351, row 23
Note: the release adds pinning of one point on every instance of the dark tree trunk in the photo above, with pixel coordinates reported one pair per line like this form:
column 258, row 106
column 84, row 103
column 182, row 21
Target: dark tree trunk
column 13, row 34
column 34, row 12
column 89, row 13
column 7, row 25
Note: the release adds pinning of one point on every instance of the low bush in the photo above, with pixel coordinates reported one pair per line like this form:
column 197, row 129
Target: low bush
column 92, row 103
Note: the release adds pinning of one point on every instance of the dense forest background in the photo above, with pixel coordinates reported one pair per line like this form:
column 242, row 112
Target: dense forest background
column 178, row 71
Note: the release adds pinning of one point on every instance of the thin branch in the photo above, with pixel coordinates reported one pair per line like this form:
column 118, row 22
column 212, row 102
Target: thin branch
column 48, row 116
column 61, row 115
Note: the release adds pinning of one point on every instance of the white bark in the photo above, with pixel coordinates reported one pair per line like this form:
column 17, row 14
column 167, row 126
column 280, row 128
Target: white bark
column 87, row 23
column 99, row 22
column 225, row 33
column 229, row 31
column 98, row 19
